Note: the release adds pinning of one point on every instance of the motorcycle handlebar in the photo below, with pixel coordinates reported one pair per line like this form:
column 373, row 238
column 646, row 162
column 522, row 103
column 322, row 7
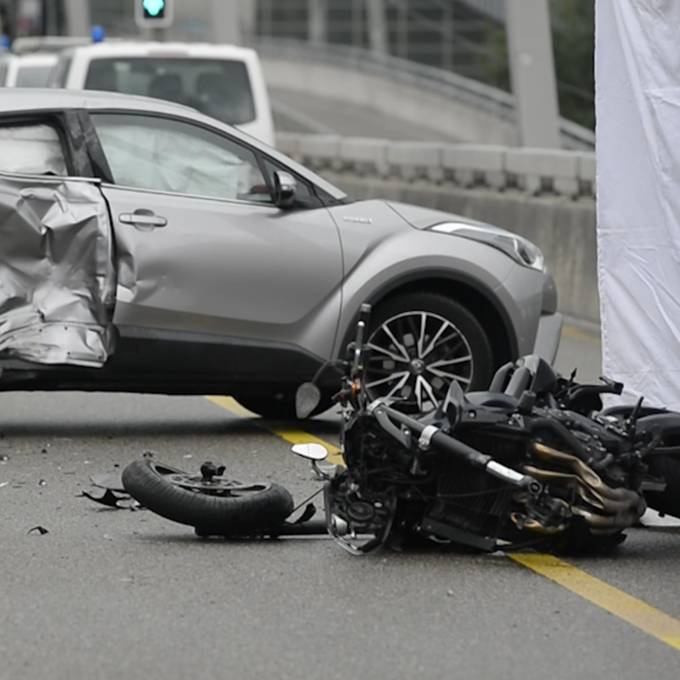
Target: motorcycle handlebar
column 432, row 436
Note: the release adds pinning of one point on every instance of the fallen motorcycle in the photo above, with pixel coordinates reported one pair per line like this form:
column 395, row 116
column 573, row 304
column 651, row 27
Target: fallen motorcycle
column 533, row 461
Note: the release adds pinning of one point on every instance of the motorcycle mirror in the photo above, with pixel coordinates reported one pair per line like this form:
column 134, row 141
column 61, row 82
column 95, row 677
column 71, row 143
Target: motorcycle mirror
column 311, row 451
column 307, row 398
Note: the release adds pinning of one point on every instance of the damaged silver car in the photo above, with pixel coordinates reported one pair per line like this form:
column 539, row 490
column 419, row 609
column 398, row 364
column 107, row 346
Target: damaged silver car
column 148, row 248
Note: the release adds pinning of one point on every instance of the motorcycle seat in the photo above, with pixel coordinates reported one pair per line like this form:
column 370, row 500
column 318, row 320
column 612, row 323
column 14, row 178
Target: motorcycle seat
column 497, row 400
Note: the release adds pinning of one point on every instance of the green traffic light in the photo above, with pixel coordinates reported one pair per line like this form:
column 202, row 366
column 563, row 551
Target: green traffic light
column 153, row 7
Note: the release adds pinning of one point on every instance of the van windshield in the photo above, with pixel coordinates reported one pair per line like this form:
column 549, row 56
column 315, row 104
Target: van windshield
column 216, row 87
column 33, row 76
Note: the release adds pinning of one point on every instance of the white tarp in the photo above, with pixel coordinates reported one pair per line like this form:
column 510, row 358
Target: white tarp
column 638, row 185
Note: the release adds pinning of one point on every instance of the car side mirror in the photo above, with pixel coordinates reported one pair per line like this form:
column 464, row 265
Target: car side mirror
column 285, row 188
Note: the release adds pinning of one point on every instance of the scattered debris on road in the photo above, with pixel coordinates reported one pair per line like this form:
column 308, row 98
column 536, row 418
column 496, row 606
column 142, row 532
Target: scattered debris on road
column 39, row 529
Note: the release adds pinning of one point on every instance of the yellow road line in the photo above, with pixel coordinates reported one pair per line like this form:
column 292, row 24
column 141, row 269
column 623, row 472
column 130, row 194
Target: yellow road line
column 636, row 612
column 579, row 334
column 291, row 435
column 626, row 607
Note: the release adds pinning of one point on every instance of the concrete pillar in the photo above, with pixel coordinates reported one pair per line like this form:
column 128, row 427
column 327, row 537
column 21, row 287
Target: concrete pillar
column 248, row 20
column 226, row 22
column 77, row 14
column 532, row 69
column 377, row 27
column 318, row 21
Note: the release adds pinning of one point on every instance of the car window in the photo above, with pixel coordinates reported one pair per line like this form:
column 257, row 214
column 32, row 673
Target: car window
column 33, row 76
column 217, row 87
column 149, row 152
column 31, row 150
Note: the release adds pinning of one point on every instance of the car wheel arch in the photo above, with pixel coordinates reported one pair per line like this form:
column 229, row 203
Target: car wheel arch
column 480, row 301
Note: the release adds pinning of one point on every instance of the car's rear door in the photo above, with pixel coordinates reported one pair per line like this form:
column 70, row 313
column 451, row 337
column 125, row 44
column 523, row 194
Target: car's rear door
column 203, row 252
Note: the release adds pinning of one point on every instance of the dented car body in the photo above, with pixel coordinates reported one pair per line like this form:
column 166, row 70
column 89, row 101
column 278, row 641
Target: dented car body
column 146, row 247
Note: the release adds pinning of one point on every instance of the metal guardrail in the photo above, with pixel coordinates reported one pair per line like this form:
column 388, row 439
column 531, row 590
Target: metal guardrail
column 444, row 83
column 550, row 172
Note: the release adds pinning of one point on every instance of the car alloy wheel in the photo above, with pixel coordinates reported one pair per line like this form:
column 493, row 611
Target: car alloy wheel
column 414, row 358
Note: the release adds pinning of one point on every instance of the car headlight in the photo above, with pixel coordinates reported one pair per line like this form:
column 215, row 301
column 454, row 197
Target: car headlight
column 517, row 247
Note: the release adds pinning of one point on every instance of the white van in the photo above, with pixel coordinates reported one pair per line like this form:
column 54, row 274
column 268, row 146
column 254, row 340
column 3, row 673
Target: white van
column 222, row 81
column 29, row 70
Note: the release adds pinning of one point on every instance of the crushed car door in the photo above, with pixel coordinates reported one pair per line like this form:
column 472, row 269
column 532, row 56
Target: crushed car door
column 203, row 250
column 57, row 278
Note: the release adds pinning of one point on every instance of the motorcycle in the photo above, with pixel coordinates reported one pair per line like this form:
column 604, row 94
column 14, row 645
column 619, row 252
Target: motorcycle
column 533, row 461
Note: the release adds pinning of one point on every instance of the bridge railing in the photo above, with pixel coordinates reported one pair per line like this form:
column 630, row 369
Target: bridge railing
column 445, row 85
column 546, row 172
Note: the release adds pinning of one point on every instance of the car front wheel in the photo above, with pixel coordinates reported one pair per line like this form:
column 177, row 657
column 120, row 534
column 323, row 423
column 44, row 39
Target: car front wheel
column 419, row 343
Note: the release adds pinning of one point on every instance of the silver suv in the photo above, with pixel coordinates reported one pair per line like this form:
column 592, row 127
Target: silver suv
column 146, row 247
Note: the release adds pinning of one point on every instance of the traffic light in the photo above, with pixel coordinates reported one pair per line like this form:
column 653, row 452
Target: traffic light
column 153, row 13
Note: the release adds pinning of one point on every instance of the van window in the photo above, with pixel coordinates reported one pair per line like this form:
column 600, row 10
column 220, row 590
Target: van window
column 216, row 87
column 31, row 150
column 32, row 76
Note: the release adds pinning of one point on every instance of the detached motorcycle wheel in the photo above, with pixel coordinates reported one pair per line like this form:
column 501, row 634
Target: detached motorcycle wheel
column 213, row 508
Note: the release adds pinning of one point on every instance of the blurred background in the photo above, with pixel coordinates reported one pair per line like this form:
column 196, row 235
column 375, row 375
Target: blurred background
column 468, row 38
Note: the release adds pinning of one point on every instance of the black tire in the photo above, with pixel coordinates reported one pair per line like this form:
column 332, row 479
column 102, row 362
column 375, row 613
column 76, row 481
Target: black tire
column 148, row 483
column 668, row 501
column 436, row 306
column 278, row 406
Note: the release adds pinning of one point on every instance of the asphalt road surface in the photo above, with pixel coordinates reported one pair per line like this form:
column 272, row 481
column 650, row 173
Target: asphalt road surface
column 320, row 115
column 120, row 594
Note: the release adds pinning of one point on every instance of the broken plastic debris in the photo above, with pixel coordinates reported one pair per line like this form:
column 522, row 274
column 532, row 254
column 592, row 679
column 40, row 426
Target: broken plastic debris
column 3, row 484
column 4, row 458
column 42, row 482
column 111, row 481
column 41, row 530
column 111, row 499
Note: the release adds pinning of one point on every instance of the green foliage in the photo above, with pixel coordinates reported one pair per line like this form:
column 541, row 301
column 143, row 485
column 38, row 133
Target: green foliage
column 573, row 24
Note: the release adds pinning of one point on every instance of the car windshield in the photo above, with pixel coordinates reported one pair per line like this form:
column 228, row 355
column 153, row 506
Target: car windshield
column 33, row 76
column 217, row 87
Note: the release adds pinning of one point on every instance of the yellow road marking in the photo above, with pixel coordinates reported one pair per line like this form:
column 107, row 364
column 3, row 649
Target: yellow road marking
column 579, row 334
column 291, row 435
column 636, row 612
column 626, row 607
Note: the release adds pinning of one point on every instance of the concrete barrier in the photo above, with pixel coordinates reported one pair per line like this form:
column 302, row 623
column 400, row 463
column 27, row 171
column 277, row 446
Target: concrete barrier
column 547, row 196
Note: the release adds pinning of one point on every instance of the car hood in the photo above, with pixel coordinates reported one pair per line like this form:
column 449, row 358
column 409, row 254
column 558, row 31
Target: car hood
column 423, row 218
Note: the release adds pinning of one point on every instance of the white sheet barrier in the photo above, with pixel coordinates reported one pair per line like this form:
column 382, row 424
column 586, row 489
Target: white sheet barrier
column 638, row 185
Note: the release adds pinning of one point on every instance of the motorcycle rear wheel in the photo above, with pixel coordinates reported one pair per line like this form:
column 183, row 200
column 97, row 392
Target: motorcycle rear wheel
column 216, row 508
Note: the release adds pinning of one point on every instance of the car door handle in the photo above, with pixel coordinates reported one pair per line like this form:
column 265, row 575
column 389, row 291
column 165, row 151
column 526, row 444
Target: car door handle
column 143, row 219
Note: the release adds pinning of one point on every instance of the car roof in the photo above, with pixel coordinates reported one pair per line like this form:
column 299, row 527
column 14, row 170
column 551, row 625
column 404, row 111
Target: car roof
column 48, row 99
column 35, row 100
column 166, row 50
